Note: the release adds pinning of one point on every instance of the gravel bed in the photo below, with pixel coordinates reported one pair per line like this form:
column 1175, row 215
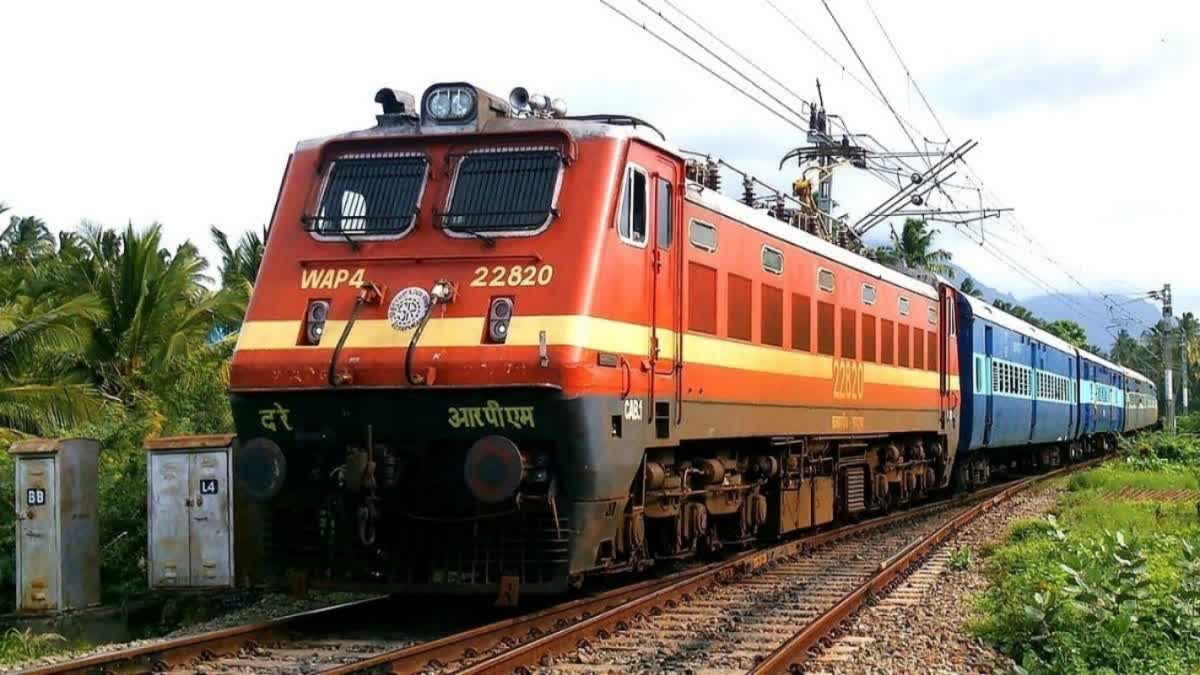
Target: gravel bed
column 270, row 606
column 932, row 636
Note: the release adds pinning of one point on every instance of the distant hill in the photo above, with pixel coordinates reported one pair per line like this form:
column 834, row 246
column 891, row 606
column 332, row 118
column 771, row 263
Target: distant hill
column 1088, row 311
column 1096, row 317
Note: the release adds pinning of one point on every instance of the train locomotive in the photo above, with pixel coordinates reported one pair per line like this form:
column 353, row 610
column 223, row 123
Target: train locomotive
column 494, row 347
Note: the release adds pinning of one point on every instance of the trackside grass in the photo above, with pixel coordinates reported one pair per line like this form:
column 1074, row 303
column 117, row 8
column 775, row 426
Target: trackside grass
column 1110, row 583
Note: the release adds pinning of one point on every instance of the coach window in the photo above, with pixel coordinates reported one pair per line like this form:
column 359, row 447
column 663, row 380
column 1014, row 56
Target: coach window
column 903, row 305
column 632, row 223
column 824, row 279
column 772, row 260
column 664, row 212
column 703, row 236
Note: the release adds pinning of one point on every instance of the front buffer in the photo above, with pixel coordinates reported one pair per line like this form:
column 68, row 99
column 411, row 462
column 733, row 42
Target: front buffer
column 436, row 490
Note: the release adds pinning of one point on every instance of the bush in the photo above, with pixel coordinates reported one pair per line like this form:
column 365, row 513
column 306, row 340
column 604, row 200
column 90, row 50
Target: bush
column 1063, row 601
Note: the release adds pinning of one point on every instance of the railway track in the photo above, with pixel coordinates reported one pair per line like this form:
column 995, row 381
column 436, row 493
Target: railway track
column 737, row 615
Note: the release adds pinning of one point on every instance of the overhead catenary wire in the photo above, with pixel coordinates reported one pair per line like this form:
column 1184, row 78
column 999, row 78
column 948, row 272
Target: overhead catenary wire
column 907, row 73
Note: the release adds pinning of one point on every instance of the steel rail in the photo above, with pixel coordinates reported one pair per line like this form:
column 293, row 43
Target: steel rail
column 529, row 655
column 796, row 650
column 157, row 656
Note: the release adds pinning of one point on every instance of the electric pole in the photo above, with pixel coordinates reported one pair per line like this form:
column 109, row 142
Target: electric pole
column 1168, row 366
column 1183, row 358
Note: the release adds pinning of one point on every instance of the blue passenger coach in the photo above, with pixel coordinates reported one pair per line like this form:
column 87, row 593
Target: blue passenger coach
column 1018, row 382
column 1141, row 401
column 1101, row 396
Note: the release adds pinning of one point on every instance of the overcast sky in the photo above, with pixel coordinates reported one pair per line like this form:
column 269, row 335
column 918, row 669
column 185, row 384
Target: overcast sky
column 157, row 112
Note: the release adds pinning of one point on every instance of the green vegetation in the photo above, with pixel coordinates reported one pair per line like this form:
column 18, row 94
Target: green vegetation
column 1109, row 585
column 105, row 333
column 17, row 646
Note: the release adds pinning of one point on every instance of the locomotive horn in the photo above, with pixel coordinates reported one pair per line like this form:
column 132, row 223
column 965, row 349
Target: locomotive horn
column 518, row 98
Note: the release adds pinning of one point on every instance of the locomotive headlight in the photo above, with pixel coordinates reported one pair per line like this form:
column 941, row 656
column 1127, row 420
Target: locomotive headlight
column 450, row 103
column 314, row 321
column 499, row 314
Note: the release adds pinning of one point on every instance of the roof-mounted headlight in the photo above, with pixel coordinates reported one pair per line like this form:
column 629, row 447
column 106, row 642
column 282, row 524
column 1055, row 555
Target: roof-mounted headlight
column 450, row 104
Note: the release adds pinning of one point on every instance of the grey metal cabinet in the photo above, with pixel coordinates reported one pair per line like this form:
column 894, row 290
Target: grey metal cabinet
column 191, row 513
column 58, row 552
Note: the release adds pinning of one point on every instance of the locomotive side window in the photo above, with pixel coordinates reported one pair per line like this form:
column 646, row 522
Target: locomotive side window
column 903, row 305
column 664, row 212
column 868, row 294
column 373, row 196
column 824, row 279
column 825, row 328
column 503, row 192
column 632, row 224
column 702, row 235
column 772, row 316
column 849, row 334
column 887, row 342
column 801, row 322
column 772, row 260
column 869, row 349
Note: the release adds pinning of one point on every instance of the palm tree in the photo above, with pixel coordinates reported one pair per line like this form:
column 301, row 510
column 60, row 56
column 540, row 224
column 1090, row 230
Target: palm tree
column 239, row 263
column 37, row 394
column 26, row 238
column 157, row 307
column 968, row 287
column 913, row 248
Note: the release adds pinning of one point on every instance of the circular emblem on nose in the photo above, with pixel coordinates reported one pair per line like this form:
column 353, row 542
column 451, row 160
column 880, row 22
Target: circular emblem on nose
column 493, row 469
column 408, row 307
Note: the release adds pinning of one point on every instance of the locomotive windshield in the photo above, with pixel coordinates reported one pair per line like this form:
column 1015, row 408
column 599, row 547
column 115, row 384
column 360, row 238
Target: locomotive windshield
column 497, row 191
column 371, row 195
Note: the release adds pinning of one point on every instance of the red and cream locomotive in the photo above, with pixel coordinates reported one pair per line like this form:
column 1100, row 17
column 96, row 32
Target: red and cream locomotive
column 493, row 344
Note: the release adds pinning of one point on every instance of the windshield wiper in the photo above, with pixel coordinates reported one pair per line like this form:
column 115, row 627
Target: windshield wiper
column 489, row 242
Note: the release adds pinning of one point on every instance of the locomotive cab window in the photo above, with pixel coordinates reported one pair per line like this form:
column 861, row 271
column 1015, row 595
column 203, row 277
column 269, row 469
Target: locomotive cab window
column 702, row 235
column 631, row 225
column 503, row 192
column 370, row 196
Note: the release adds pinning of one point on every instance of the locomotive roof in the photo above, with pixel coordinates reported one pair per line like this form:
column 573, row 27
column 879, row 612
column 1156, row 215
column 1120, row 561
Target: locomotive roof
column 763, row 222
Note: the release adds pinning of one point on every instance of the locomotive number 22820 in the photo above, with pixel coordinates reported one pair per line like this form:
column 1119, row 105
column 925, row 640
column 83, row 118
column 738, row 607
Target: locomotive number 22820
column 516, row 275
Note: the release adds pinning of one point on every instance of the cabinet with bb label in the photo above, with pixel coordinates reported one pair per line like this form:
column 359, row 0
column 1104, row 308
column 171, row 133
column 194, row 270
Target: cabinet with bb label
column 191, row 512
column 57, row 541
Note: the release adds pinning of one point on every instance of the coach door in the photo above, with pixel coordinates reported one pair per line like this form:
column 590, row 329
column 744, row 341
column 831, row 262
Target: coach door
column 665, row 305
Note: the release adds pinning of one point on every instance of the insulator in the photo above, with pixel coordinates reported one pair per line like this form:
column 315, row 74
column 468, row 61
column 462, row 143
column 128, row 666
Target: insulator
column 712, row 174
column 748, row 191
